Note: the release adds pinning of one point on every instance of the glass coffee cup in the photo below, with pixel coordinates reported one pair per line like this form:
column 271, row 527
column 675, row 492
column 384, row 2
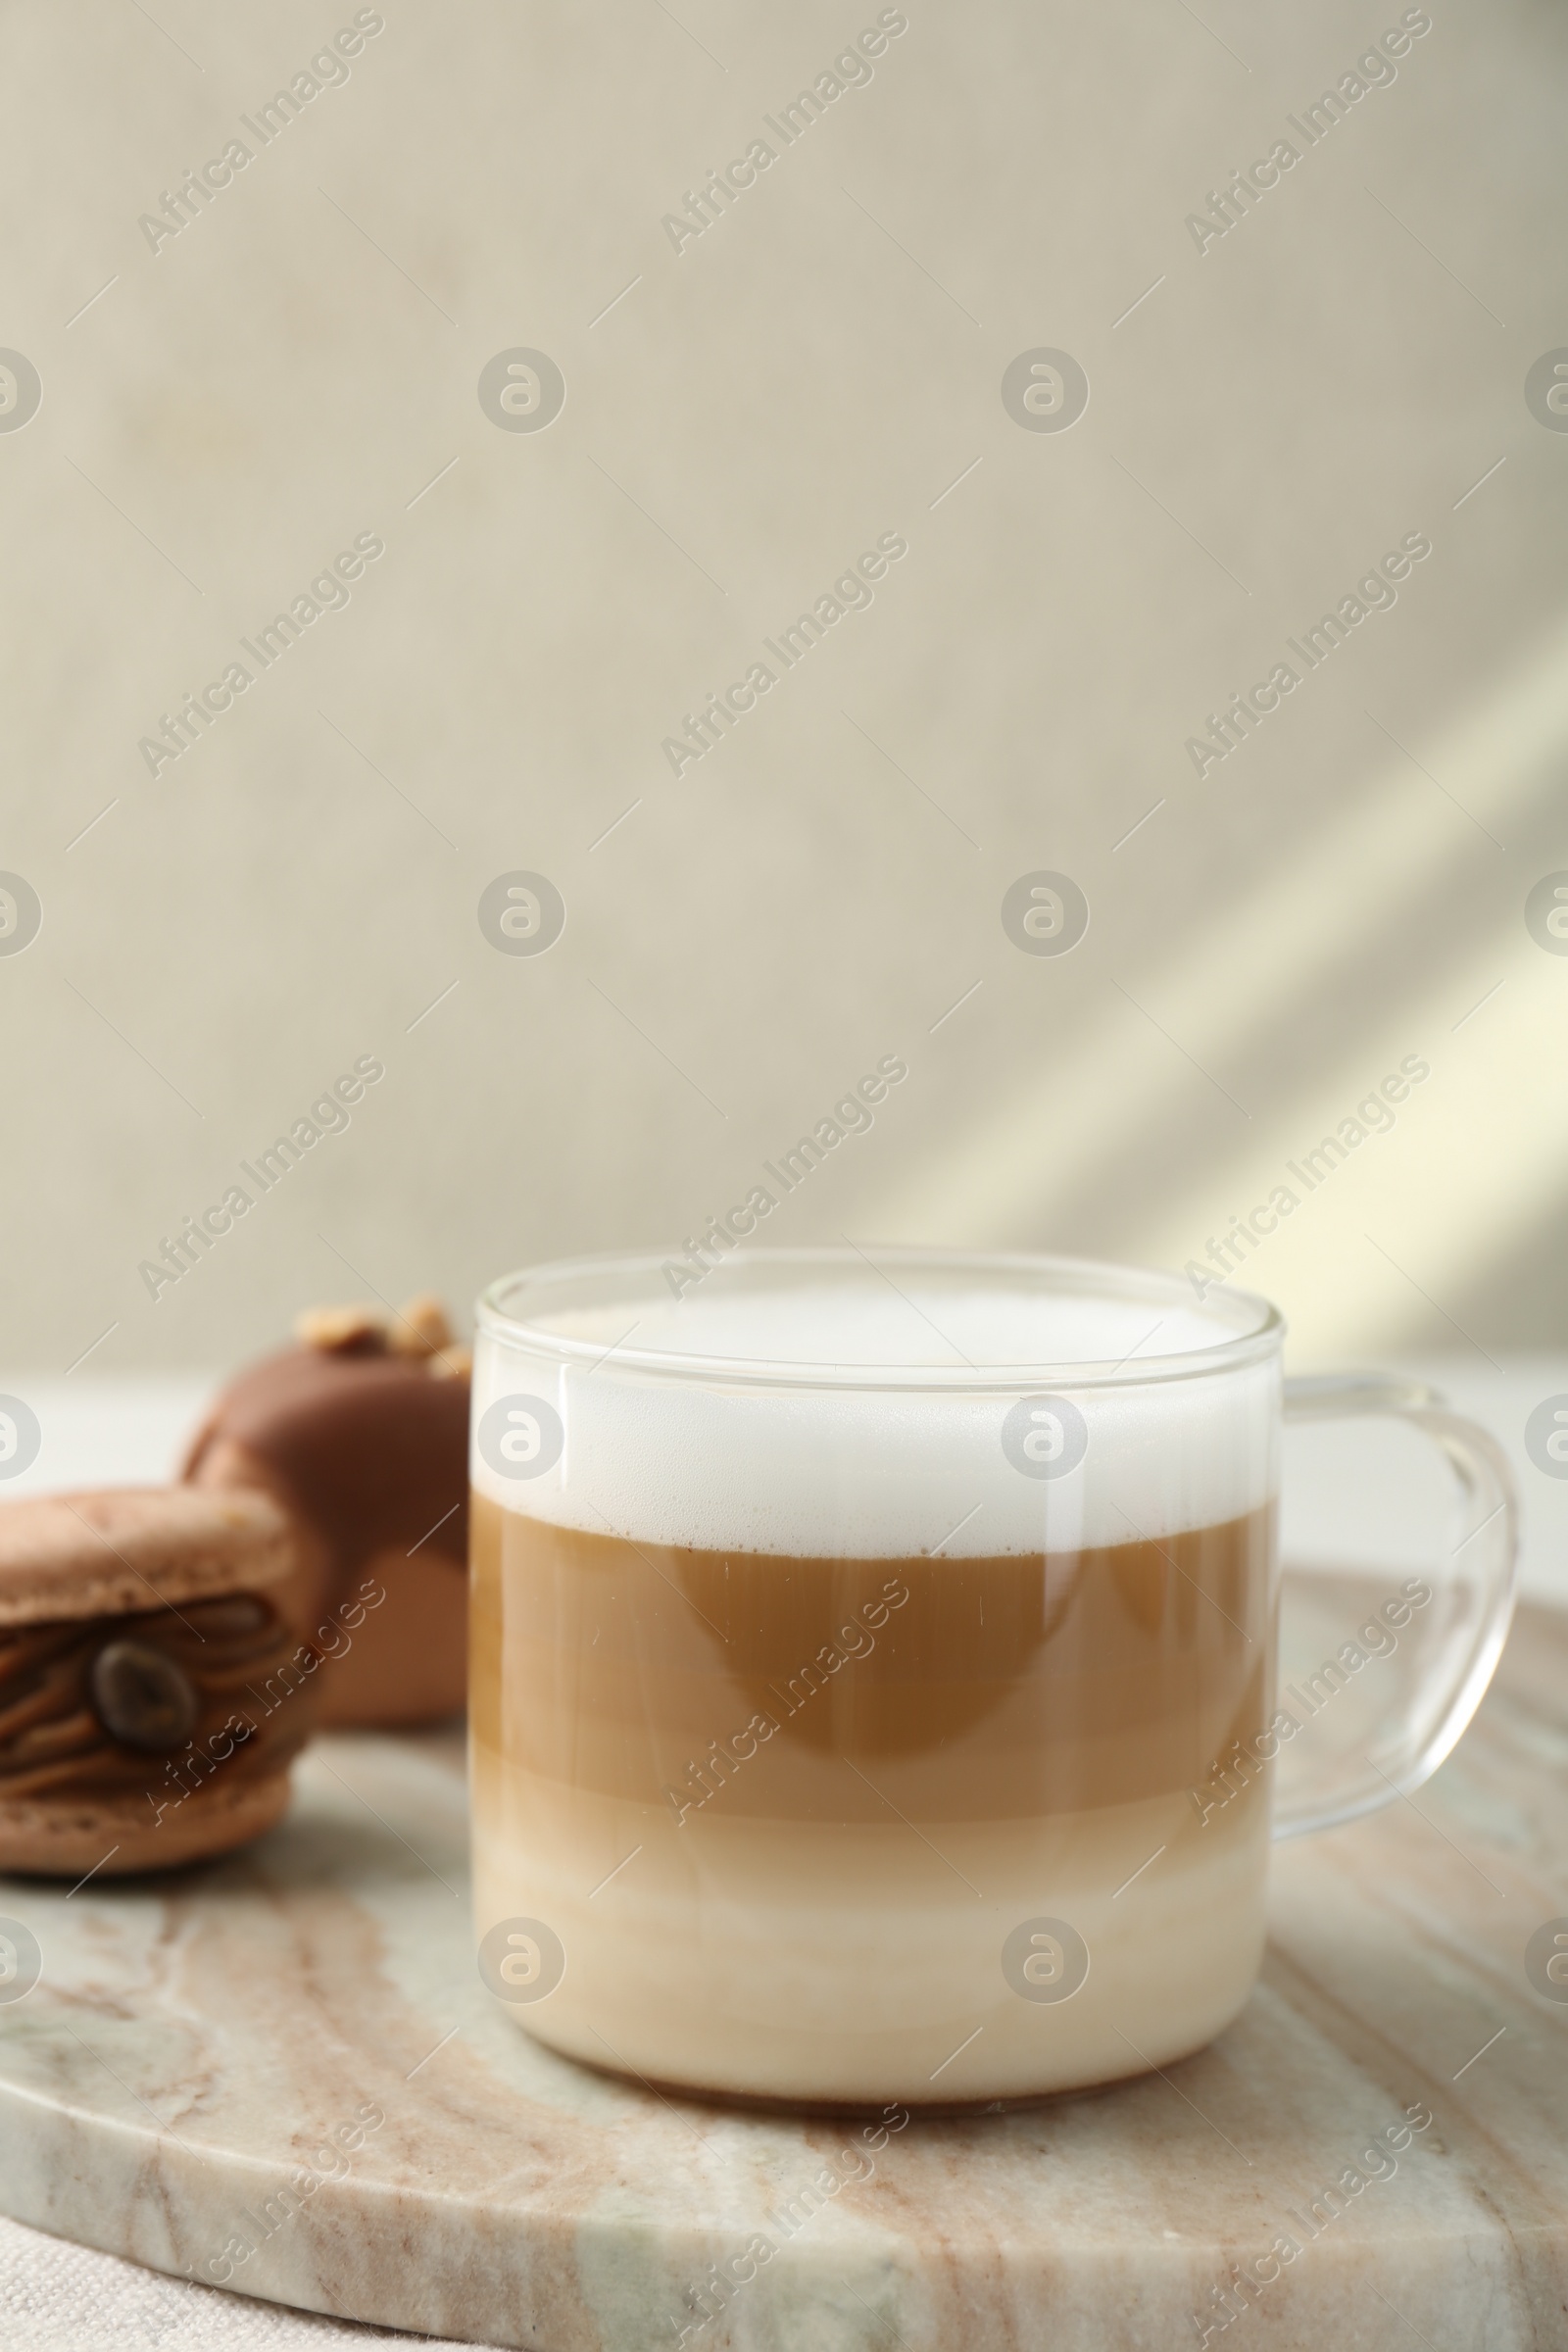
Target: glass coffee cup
column 874, row 1690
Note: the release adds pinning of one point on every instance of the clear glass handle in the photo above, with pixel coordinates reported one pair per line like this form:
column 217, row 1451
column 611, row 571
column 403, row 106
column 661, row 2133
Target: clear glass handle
column 1380, row 1682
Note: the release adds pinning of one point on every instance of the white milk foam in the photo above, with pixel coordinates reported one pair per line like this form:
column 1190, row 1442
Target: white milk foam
column 886, row 1472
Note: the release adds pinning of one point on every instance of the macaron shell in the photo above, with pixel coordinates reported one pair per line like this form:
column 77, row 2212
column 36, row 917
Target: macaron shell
column 112, row 1837
column 307, row 1591
column 113, row 1549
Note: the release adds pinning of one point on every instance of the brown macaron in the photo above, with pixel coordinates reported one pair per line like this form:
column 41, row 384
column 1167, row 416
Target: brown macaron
column 360, row 1434
column 152, row 1692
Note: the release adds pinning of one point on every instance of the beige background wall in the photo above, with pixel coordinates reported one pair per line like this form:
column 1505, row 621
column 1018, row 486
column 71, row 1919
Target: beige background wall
column 300, row 366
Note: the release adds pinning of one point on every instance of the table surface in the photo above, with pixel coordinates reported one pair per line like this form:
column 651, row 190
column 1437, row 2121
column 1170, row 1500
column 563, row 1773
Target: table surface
column 195, row 2039
column 199, row 2038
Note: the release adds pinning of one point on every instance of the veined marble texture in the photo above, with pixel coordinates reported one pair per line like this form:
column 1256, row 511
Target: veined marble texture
column 281, row 2073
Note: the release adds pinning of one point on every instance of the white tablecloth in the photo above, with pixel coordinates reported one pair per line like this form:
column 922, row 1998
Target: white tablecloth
column 56, row 2297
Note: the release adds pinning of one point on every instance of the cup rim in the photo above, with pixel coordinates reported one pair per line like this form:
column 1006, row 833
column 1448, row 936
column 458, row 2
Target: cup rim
column 1262, row 1336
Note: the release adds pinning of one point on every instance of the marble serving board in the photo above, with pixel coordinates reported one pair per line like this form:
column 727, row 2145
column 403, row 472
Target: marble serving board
column 281, row 2073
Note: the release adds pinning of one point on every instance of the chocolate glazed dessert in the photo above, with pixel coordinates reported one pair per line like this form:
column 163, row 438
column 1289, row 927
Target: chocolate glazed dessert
column 360, row 1432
